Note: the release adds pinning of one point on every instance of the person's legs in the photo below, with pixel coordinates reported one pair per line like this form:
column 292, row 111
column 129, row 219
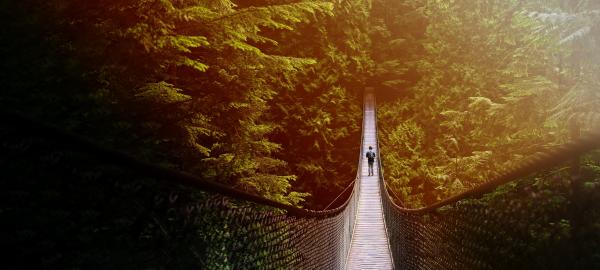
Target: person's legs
column 370, row 168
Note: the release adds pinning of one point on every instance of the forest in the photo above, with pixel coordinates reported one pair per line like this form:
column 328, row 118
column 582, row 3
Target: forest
column 484, row 85
column 265, row 96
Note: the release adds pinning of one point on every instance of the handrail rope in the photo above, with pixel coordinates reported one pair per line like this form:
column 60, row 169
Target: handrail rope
column 537, row 162
column 343, row 191
column 398, row 199
column 148, row 169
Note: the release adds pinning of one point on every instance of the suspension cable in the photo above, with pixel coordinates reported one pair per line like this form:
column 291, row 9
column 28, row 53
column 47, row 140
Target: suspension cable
column 343, row 191
column 537, row 162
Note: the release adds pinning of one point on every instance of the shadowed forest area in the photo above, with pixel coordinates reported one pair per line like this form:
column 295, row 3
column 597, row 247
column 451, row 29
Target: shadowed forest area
column 265, row 96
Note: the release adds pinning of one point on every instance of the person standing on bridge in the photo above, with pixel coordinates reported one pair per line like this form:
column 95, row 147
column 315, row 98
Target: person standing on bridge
column 371, row 159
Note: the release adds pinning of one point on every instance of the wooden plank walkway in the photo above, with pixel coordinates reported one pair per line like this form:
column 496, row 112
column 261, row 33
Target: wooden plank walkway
column 370, row 247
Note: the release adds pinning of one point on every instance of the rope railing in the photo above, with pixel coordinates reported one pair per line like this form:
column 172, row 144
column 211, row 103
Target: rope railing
column 512, row 221
column 537, row 162
column 187, row 222
column 78, row 143
column 351, row 184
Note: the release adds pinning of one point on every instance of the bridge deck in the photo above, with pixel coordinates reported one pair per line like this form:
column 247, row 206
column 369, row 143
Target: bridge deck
column 369, row 248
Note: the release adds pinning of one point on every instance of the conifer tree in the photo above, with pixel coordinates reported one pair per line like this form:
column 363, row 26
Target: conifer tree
column 318, row 115
column 186, row 80
column 480, row 101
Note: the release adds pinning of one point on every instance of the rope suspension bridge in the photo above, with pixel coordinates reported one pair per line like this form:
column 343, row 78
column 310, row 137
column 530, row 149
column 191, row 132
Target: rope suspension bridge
column 371, row 229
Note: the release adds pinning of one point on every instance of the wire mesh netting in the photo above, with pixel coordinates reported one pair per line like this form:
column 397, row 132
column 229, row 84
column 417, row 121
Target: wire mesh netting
column 504, row 232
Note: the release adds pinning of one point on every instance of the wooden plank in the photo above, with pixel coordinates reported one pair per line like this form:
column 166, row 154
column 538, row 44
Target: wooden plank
column 370, row 247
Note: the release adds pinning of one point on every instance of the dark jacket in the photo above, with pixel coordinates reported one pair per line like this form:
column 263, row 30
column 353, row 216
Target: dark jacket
column 371, row 156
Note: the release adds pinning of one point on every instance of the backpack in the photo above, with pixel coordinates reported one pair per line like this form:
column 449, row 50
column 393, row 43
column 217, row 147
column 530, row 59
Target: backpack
column 371, row 156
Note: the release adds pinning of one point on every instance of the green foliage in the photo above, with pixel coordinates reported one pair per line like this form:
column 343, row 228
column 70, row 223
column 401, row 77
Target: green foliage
column 189, row 82
column 317, row 116
column 481, row 95
column 404, row 147
column 575, row 25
